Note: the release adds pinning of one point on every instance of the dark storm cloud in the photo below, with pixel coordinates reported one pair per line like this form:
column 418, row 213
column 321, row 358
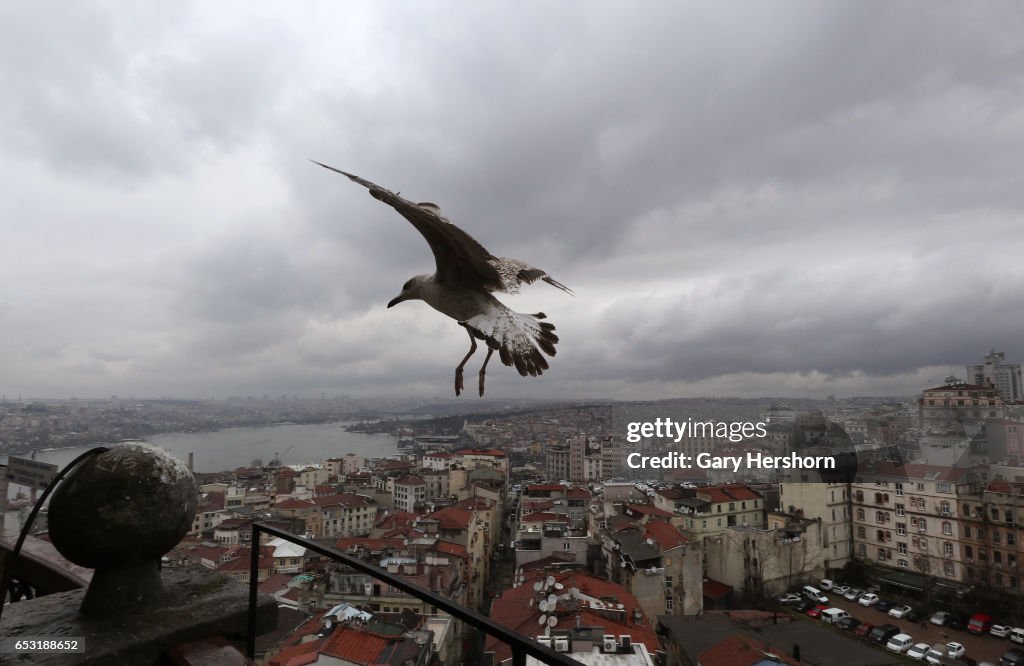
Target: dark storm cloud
column 745, row 197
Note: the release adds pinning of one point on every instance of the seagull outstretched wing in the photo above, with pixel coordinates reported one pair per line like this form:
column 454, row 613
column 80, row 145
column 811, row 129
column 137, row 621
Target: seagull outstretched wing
column 460, row 259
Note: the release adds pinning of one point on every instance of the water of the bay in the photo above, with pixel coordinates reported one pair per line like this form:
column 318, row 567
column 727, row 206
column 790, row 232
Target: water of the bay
column 293, row 444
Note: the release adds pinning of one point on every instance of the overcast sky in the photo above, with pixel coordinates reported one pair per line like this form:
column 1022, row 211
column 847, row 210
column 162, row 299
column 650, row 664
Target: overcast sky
column 748, row 198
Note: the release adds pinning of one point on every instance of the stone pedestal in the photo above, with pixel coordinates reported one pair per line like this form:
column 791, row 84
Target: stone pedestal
column 196, row 604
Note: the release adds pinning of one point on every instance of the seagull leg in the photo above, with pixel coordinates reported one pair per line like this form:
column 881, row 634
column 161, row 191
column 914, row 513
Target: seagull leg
column 483, row 369
column 458, row 370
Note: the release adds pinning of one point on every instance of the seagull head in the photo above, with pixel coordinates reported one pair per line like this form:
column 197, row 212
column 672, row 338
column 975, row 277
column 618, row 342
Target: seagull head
column 410, row 290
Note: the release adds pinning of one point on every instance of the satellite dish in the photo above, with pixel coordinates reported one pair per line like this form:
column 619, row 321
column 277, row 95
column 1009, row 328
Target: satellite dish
column 551, row 581
column 559, row 586
column 552, row 600
column 543, row 606
column 537, row 586
column 542, row 619
column 552, row 621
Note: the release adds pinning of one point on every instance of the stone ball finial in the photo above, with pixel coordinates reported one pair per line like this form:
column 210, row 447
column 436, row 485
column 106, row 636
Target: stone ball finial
column 118, row 513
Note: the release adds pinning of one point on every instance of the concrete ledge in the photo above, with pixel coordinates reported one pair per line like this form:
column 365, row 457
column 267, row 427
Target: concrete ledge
column 198, row 604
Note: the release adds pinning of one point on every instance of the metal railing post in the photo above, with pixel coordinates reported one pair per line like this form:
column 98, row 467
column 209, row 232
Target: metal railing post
column 254, row 574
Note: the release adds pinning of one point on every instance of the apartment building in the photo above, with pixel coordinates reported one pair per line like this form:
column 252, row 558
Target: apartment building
column 711, row 510
column 910, row 519
column 831, row 503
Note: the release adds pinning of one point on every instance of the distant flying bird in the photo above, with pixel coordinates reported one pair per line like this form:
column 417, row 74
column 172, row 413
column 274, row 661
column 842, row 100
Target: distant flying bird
column 461, row 288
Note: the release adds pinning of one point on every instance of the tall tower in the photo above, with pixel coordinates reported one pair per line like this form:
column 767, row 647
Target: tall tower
column 994, row 370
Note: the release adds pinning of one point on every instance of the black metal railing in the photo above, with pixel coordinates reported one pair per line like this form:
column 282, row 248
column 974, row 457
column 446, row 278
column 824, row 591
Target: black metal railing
column 521, row 645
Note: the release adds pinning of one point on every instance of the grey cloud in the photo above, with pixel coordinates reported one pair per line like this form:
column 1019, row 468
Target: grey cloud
column 816, row 194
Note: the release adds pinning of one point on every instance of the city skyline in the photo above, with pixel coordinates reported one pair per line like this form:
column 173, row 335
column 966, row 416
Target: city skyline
column 784, row 199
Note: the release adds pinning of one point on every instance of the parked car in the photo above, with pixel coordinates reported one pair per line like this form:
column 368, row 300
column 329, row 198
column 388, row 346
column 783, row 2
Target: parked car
column 841, row 590
column 853, row 594
column 826, row 584
column 883, row 605
column 939, row 618
column 863, row 629
column 1012, row 657
column 935, row 655
column 848, row 623
column 1000, row 630
column 883, row 632
column 957, row 621
column 955, row 650
column 1017, row 635
column 868, row 599
column 816, row 610
column 833, row 615
column 789, row 598
column 814, row 594
column 899, row 643
column 804, row 605
column 899, row 612
column 980, row 623
column 918, row 651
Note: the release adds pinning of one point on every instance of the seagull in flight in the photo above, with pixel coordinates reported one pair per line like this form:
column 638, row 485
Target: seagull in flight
column 461, row 287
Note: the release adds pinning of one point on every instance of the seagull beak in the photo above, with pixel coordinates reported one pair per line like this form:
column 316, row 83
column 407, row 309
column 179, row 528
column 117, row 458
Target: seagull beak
column 396, row 300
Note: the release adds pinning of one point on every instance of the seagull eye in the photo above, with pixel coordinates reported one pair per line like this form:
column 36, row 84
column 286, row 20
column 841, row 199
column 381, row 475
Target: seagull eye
column 405, row 287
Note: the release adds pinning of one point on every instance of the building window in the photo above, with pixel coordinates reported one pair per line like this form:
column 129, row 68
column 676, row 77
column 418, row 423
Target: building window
column 899, row 489
column 860, row 514
column 944, row 508
column 967, row 531
column 861, row 532
column 947, row 548
column 901, row 548
column 903, row 564
column 901, row 529
column 900, row 510
column 948, row 569
column 947, row 527
column 880, row 516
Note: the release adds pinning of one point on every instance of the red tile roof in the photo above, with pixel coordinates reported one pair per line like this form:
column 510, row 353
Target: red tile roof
column 450, row 518
column 297, row 655
column 514, row 610
column 727, row 493
column 715, row 590
column 648, row 509
column 667, row 536
column 450, row 548
column 361, row 647
column 366, row 542
column 545, row 487
column 577, row 493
